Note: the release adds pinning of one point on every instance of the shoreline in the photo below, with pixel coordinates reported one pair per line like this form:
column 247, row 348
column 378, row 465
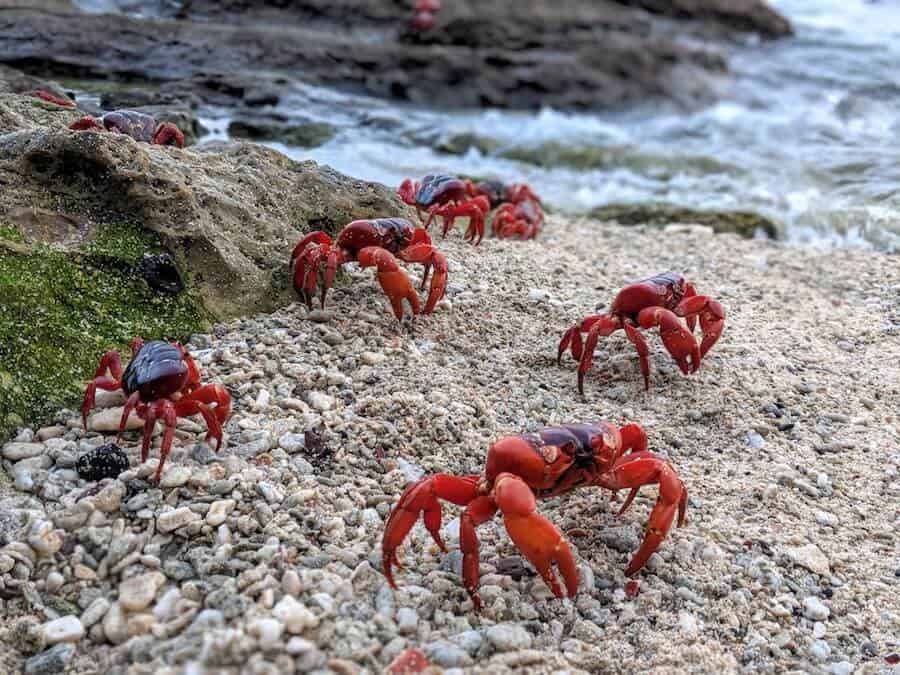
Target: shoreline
column 787, row 439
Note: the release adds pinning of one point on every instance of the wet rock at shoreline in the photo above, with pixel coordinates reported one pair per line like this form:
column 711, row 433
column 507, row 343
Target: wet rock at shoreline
column 573, row 54
column 743, row 223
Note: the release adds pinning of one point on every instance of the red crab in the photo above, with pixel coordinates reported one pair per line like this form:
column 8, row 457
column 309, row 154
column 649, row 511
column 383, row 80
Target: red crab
column 425, row 11
column 447, row 197
column 372, row 243
column 519, row 471
column 657, row 301
column 50, row 97
column 519, row 213
column 140, row 126
column 161, row 382
column 523, row 220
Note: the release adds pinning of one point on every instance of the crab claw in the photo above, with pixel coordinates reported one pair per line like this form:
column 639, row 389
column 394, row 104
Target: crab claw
column 394, row 281
column 539, row 540
column 423, row 252
column 711, row 314
column 679, row 342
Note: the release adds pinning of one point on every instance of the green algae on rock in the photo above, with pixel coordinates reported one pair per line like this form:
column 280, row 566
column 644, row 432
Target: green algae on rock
column 744, row 223
column 61, row 309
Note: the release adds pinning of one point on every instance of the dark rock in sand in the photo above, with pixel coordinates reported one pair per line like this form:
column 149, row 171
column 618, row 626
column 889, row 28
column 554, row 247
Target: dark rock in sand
column 744, row 223
column 507, row 53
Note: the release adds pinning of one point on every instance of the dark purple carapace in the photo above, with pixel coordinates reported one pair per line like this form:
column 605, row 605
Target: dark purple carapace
column 392, row 234
column 494, row 190
column 156, row 371
column 440, row 189
column 140, row 126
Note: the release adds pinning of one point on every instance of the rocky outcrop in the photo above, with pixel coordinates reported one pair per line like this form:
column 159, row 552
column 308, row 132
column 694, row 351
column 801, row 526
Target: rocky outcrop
column 80, row 210
column 744, row 223
column 509, row 53
column 229, row 214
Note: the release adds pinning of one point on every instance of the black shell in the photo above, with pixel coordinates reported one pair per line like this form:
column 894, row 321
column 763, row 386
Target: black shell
column 107, row 461
column 161, row 273
column 438, row 188
column 157, row 370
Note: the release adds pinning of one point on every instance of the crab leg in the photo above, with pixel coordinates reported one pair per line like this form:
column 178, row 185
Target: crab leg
column 422, row 498
column 161, row 409
column 110, row 362
column 645, row 468
column 479, row 511
column 635, row 337
column 605, row 325
column 539, row 540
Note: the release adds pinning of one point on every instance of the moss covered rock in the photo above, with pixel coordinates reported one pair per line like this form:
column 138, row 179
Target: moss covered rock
column 79, row 209
column 744, row 223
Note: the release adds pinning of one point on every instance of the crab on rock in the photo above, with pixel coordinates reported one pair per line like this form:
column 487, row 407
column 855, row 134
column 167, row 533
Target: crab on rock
column 447, row 197
column 372, row 243
column 520, row 471
column 50, row 97
column 140, row 126
column 658, row 301
column 162, row 382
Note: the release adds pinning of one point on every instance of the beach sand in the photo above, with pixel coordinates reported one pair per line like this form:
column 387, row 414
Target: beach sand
column 787, row 439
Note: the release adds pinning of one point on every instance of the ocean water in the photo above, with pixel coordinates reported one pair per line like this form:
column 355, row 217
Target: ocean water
column 806, row 132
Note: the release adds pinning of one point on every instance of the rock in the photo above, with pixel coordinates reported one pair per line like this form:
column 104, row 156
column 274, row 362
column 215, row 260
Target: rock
column 296, row 617
column 268, row 631
column 108, row 420
column 304, row 134
column 320, row 401
column 447, row 655
column 219, row 511
column 65, row 629
column 51, row 662
column 239, row 242
column 172, row 520
column 546, row 57
column 175, row 476
column 95, row 612
column 407, row 620
column 44, row 539
column 16, row 451
column 814, row 609
column 292, row 443
column 743, row 223
column 138, row 592
column 508, row 637
column 115, row 627
column 810, row 557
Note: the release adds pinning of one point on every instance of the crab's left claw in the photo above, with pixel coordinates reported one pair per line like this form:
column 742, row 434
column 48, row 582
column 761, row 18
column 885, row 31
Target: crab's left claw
column 679, row 342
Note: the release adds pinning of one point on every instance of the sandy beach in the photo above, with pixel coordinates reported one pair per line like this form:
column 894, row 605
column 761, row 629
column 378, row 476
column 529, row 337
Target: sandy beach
column 265, row 558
